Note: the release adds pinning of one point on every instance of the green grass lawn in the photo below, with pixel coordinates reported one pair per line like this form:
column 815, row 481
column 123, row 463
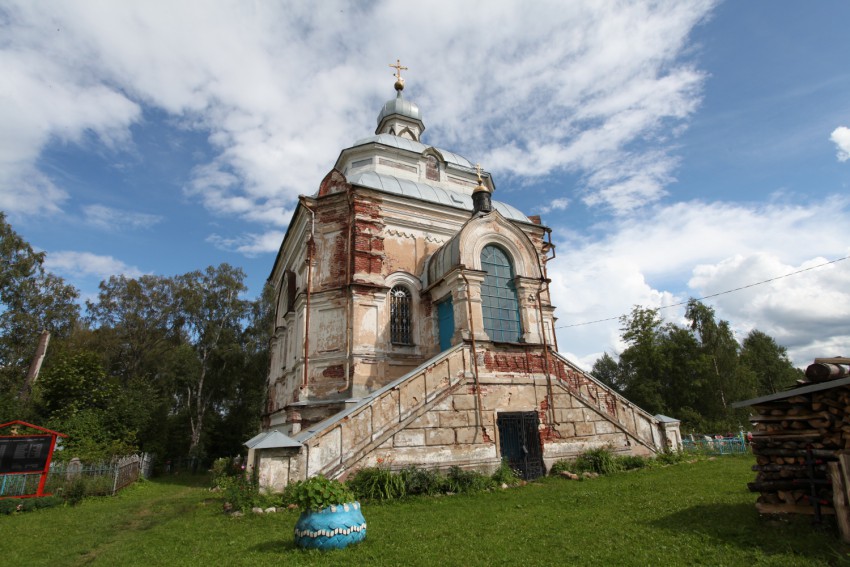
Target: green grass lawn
column 687, row 514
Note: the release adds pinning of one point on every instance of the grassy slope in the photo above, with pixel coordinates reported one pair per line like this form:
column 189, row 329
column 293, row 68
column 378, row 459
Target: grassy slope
column 689, row 514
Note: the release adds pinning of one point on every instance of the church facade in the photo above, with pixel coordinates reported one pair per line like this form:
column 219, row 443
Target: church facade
column 414, row 327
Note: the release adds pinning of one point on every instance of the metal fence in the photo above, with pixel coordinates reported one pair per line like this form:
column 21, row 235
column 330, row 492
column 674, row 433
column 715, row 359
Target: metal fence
column 716, row 445
column 98, row 479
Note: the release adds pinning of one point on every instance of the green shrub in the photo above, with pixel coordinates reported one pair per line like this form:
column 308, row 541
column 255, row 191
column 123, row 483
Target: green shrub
column 9, row 505
column 562, row 465
column 223, row 469
column 220, row 469
column 317, row 493
column 422, row 481
column 376, row 483
column 242, row 492
column 48, row 501
column 669, row 457
column 75, row 490
column 505, row 475
column 461, row 481
column 632, row 462
column 600, row 460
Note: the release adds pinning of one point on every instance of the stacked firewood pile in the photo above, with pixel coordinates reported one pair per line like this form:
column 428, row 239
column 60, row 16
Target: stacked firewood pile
column 799, row 438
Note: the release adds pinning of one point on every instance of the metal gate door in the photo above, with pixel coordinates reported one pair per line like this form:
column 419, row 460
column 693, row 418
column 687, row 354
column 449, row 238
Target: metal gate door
column 519, row 441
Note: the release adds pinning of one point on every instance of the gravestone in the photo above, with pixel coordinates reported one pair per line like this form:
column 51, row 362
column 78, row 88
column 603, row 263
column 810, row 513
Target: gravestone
column 74, row 469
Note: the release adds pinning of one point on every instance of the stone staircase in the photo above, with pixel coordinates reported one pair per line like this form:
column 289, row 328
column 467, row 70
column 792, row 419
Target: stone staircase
column 332, row 447
column 639, row 424
column 335, row 444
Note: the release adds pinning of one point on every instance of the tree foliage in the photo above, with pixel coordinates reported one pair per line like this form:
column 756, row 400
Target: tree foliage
column 769, row 362
column 172, row 365
column 694, row 372
column 31, row 300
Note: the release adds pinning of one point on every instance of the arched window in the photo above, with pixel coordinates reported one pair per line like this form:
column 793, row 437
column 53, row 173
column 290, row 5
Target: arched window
column 498, row 296
column 400, row 316
column 432, row 168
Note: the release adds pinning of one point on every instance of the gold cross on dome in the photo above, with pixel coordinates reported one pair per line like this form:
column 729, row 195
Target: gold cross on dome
column 398, row 68
column 478, row 171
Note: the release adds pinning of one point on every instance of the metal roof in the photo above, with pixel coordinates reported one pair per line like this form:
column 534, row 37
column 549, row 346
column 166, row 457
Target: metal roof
column 430, row 193
column 271, row 440
column 794, row 392
column 666, row 419
column 399, row 105
column 412, row 146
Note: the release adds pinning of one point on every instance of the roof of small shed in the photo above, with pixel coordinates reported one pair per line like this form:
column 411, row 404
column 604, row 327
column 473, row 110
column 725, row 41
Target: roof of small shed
column 817, row 387
column 823, row 374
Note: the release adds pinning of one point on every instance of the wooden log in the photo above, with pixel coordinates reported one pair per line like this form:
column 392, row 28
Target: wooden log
column 788, row 434
column 833, row 360
column 786, row 496
column 792, row 509
column 844, row 462
column 839, row 501
column 772, row 485
column 790, row 468
column 801, row 435
column 823, row 371
column 833, row 403
column 783, row 417
column 796, row 453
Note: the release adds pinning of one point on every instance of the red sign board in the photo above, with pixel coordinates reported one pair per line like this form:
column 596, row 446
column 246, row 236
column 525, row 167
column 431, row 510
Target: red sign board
column 22, row 454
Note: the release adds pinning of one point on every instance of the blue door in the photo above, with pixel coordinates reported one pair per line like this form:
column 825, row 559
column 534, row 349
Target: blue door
column 446, row 319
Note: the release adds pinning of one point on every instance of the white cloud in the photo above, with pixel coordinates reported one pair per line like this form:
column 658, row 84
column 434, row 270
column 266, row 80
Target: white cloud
column 805, row 312
column 109, row 219
column 85, row 264
column 49, row 96
column 280, row 88
column 694, row 249
column 841, row 138
column 559, row 204
column 25, row 190
column 249, row 244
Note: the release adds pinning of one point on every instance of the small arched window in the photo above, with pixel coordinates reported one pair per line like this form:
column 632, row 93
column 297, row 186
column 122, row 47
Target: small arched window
column 432, row 169
column 498, row 296
column 400, row 316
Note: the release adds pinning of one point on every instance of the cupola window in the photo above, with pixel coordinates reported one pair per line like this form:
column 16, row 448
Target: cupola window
column 432, row 169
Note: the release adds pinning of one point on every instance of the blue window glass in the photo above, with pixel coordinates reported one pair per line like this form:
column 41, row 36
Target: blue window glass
column 499, row 304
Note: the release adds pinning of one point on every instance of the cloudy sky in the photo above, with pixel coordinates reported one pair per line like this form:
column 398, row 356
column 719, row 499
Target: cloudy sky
column 677, row 149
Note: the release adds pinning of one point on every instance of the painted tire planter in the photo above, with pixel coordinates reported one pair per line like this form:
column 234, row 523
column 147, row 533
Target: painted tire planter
column 333, row 527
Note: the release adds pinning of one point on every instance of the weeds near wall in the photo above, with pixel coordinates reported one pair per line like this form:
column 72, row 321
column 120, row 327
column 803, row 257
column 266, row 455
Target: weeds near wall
column 378, row 483
column 602, row 460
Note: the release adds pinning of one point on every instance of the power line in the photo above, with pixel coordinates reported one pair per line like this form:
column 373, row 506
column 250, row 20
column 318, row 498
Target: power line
column 713, row 294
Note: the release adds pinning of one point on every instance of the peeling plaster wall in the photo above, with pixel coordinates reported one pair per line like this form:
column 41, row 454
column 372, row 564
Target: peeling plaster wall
column 364, row 243
column 431, row 418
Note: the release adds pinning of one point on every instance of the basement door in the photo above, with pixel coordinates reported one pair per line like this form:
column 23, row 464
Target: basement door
column 519, row 442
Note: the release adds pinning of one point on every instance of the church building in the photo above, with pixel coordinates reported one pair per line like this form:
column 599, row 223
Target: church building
column 414, row 326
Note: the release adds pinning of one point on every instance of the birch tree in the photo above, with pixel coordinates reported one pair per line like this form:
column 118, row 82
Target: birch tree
column 210, row 314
